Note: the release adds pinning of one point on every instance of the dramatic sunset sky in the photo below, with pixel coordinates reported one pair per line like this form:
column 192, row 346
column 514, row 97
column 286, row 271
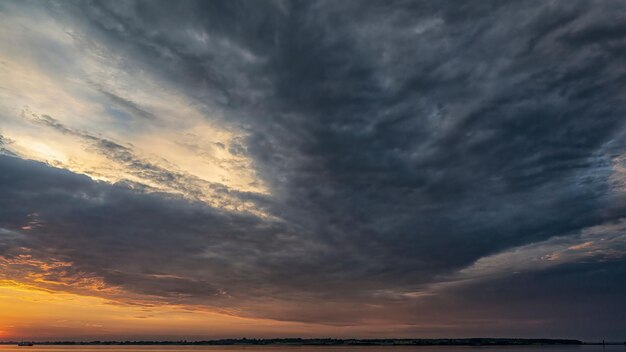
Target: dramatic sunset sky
column 209, row 169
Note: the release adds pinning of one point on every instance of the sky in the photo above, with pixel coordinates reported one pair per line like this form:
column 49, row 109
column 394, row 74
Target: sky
column 213, row 169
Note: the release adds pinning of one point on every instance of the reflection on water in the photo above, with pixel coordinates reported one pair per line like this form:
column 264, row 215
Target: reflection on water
column 584, row 348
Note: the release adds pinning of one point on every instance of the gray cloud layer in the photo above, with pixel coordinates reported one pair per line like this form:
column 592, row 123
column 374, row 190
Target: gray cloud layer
column 401, row 141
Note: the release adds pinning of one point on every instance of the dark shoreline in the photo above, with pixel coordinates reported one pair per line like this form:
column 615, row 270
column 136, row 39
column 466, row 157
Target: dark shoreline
column 330, row 342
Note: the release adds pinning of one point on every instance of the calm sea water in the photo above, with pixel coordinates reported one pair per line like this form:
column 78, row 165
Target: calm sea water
column 10, row 348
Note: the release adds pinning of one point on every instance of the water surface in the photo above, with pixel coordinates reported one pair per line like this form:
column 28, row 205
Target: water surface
column 583, row 348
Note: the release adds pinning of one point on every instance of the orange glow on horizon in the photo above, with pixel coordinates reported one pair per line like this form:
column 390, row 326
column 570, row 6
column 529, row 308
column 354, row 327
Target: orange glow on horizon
column 31, row 313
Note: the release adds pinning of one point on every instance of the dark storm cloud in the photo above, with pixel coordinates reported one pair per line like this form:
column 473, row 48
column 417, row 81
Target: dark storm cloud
column 139, row 242
column 402, row 142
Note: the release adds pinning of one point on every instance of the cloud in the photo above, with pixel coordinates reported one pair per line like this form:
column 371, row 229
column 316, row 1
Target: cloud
column 150, row 175
column 128, row 105
column 602, row 243
column 3, row 149
column 337, row 160
column 104, row 203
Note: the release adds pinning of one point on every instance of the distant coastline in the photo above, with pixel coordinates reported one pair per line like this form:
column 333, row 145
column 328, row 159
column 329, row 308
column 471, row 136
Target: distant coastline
column 332, row 342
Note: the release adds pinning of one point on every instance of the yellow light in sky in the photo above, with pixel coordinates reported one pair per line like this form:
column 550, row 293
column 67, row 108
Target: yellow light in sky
column 45, row 152
column 196, row 143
